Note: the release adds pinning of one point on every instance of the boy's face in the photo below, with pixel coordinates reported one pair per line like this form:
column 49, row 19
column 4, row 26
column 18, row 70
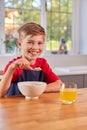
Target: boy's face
column 32, row 46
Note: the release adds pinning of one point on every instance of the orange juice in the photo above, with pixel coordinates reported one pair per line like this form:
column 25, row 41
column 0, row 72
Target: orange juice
column 68, row 94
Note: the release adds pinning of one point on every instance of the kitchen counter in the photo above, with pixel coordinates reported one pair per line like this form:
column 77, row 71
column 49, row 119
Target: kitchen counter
column 76, row 74
column 70, row 70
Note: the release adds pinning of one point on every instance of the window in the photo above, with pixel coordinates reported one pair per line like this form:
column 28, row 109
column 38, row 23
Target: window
column 58, row 21
column 18, row 12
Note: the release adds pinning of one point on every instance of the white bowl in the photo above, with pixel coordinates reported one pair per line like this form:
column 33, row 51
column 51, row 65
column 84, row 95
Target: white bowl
column 31, row 89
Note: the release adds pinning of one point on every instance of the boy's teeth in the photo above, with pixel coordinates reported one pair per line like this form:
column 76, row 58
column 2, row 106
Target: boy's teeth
column 33, row 52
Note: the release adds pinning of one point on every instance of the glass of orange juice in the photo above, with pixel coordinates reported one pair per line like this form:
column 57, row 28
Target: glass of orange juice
column 68, row 92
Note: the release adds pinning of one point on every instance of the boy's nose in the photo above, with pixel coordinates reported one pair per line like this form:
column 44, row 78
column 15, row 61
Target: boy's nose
column 34, row 46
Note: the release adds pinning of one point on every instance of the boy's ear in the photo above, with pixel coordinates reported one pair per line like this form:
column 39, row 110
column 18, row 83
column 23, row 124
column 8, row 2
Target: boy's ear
column 19, row 43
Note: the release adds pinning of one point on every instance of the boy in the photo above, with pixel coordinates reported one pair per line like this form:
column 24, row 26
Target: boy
column 28, row 66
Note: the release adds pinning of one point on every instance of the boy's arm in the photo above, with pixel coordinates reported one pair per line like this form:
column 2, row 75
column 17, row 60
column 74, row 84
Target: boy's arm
column 6, row 80
column 7, row 77
column 54, row 87
column 22, row 63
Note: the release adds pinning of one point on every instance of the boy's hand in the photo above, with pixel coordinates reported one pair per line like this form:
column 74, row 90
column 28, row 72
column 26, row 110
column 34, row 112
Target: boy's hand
column 22, row 63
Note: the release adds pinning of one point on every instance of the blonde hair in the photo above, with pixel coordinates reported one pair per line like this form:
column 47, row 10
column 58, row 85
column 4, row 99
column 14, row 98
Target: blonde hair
column 30, row 28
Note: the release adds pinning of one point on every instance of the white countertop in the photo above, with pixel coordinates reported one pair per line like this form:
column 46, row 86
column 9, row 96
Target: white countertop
column 70, row 70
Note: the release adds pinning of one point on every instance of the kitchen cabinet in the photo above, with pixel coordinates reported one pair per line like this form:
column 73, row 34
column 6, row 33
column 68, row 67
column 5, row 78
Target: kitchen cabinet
column 80, row 80
column 85, row 80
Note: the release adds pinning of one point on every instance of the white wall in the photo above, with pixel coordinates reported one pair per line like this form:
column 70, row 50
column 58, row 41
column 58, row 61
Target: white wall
column 67, row 60
column 2, row 31
column 79, row 27
column 83, row 27
column 54, row 60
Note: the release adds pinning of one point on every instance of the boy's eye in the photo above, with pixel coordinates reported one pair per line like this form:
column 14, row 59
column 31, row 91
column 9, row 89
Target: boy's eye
column 29, row 42
column 40, row 43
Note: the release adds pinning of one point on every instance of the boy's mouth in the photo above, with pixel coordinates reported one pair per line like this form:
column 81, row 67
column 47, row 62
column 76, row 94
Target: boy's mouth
column 33, row 52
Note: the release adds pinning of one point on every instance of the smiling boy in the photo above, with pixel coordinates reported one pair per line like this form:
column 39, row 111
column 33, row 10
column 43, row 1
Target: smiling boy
column 29, row 66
